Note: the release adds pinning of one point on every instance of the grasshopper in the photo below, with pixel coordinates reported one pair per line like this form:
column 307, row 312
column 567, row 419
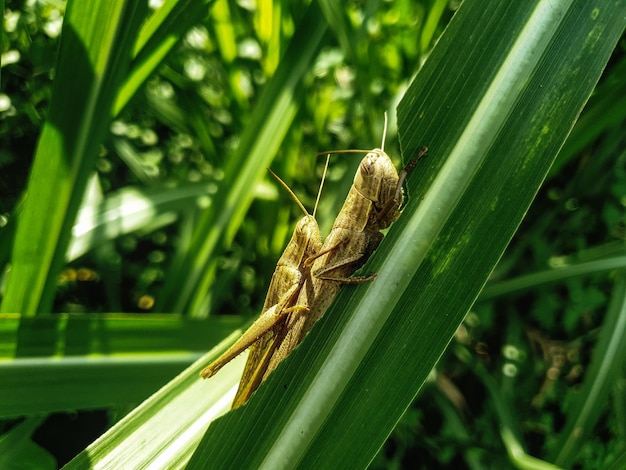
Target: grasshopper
column 263, row 336
column 309, row 275
column 372, row 204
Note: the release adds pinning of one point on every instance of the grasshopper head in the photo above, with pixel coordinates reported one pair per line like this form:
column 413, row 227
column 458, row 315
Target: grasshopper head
column 377, row 177
column 377, row 180
column 306, row 240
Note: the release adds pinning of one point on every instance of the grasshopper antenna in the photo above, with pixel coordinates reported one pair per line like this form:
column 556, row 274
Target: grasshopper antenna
column 319, row 192
column 382, row 145
column 295, row 198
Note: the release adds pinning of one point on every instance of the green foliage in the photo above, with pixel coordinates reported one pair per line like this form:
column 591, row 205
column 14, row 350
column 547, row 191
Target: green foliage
column 145, row 196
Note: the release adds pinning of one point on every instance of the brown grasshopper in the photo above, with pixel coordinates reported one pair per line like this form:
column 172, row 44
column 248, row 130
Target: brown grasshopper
column 292, row 270
column 309, row 276
column 372, row 204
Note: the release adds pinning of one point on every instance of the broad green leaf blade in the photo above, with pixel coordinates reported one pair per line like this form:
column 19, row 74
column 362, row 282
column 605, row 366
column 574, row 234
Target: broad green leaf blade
column 58, row 362
column 164, row 430
column 86, row 78
column 42, row 385
column 606, row 110
column 494, row 103
column 104, row 334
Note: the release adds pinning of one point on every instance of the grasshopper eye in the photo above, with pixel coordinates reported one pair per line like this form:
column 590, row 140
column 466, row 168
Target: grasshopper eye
column 302, row 227
column 367, row 168
column 364, row 179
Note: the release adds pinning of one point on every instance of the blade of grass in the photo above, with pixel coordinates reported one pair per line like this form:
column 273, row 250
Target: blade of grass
column 129, row 209
column 42, row 385
column 61, row 335
column 156, row 38
column 171, row 422
column 551, row 275
column 86, row 79
column 86, row 362
column 16, row 446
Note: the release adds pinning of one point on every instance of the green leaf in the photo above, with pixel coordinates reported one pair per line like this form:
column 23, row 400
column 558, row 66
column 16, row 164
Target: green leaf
column 129, row 209
column 58, row 362
column 43, row 385
column 165, row 429
column 87, row 76
column 88, row 79
column 109, row 334
column 158, row 35
column 17, row 451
